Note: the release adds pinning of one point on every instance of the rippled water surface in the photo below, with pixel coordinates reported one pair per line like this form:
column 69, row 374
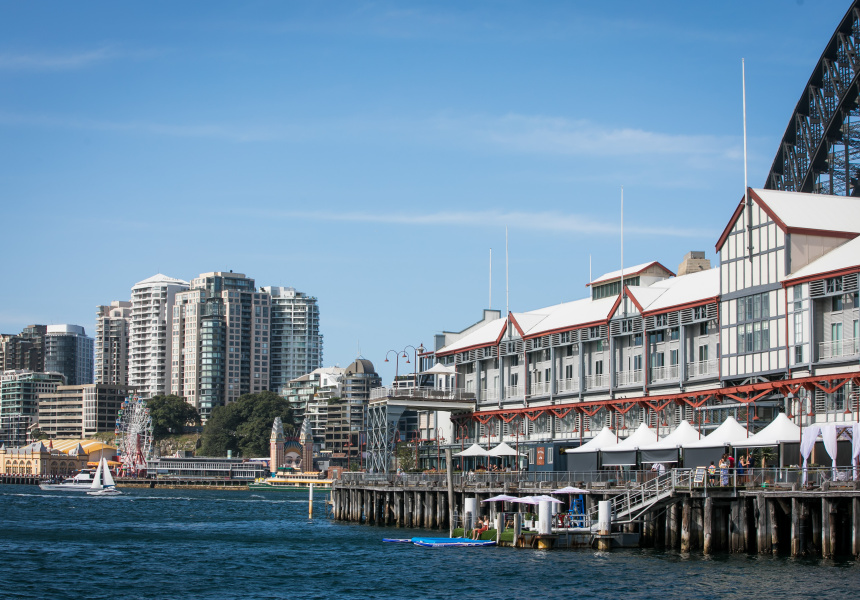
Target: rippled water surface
column 229, row 544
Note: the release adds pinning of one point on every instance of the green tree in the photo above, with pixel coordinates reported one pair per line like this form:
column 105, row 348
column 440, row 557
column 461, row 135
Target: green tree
column 405, row 455
column 245, row 425
column 170, row 414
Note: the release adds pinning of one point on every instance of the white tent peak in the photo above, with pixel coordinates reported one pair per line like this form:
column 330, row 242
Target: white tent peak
column 781, row 430
column 643, row 436
column 604, row 439
column 503, row 450
column 683, row 434
column 729, row 432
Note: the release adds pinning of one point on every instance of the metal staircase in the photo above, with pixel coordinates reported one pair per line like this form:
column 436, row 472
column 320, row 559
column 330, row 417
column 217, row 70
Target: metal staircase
column 629, row 504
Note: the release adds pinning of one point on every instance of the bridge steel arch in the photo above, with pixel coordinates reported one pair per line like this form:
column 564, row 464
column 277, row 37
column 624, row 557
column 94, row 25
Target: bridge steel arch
column 820, row 150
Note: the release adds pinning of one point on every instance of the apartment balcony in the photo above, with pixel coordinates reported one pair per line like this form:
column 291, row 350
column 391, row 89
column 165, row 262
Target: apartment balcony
column 541, row 388
column 633, row 377
column 839, row 348
column 669, row 373
column 704, row 368
column 513, row 391
column 568, row 385
column 489, row 394
column 596, row 381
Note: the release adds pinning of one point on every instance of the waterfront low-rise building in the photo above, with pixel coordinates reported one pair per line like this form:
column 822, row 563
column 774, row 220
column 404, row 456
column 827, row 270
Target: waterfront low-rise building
column 80, row 411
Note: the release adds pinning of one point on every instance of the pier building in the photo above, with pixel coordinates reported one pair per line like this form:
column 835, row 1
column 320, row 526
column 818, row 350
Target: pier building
column 772, row 329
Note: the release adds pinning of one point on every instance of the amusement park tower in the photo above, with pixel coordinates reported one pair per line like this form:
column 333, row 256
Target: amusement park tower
column 306, row 439
column 276, row 446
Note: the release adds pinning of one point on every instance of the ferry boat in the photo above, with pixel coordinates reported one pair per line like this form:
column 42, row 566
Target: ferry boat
column 81, row 482
column 293, row 482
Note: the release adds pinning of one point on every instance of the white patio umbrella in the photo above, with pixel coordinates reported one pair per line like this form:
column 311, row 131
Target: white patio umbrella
column 473, row 450
column 500, row 498
column 570, row 490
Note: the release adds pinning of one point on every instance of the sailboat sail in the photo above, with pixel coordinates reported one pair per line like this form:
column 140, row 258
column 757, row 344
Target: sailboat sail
column 97, row 480
column 108, row 478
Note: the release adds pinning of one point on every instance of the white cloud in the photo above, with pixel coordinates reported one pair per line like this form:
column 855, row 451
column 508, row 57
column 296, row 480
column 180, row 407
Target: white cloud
column 54, row 61
column 538, row 221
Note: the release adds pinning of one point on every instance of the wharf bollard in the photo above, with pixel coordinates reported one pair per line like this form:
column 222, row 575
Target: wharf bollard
column 500, row 525
column 604, row 526
column 470, row 510
column 518, row 527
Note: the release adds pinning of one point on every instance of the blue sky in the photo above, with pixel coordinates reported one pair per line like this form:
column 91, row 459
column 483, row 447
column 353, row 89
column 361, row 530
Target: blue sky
column 371, row 154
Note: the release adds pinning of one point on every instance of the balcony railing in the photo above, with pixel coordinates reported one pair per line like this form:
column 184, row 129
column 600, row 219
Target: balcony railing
column 702, row 368
column 669, row 373
column 513, row 391
column 568, row 385
column 541, row 388
column 420, row 392
column 837, row 348
column 489, row 394
column 596, row 381
column 628, row 377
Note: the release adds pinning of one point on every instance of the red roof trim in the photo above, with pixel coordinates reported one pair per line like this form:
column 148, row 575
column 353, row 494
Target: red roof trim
column 633, row 298
column 475, row 346
column 849, row 235
column 614, row 308
column 642, row 270
column 826, row 274
column 513, row 321
column 571, row 328
column 703, row 302
column 768, row 210
column 724, row 236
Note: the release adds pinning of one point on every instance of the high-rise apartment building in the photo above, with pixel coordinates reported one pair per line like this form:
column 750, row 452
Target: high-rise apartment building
column 150, row 349
column 19, row 402
column 220, row 340
column 296, row 342
column 113, row 324
column 68, row 350
column 23, row 351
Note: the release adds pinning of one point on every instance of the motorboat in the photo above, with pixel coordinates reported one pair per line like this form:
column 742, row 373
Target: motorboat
column 103, row 483
column 81, row 482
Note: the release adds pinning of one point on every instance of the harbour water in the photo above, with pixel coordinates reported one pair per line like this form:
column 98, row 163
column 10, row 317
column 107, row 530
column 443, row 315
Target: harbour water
column 230, row 544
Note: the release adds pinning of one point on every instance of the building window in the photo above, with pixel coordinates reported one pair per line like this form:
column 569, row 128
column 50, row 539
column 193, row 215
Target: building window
column 753, row 324
column 637, row 362
column 661, row 320
column 836, row 303
column 798, row 355
column 673, row 357
column 637, row 339
column 674, row 333
column 700, row 312
column 598, row 367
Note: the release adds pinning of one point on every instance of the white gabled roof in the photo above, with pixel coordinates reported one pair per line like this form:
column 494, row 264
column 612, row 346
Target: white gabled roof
column 842, row 257
column 483, row 336
column 685, row 289
column 813, row 211
column 628, row 272
column 605, row 439
column 572, row 314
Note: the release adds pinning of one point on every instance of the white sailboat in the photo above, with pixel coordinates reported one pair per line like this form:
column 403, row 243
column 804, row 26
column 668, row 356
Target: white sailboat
column 103, row 483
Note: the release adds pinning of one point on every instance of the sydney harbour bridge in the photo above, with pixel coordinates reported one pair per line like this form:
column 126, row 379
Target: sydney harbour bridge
column 820, row 150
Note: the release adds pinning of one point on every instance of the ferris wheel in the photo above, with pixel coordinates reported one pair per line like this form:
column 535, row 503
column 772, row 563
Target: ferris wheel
column 133, row 435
